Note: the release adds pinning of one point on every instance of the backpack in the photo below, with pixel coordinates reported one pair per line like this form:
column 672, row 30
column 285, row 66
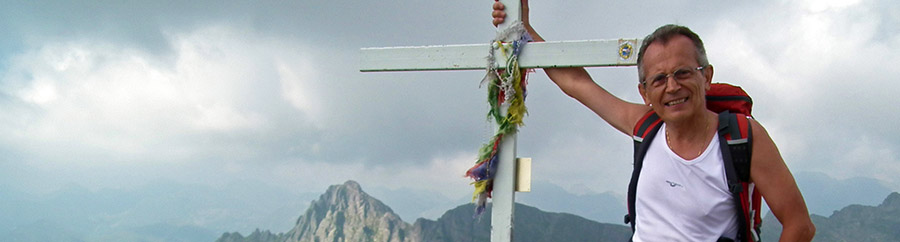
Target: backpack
column 735, row 139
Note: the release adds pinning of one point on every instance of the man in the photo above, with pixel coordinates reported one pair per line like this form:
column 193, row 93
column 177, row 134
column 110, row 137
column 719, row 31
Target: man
column 674, row 77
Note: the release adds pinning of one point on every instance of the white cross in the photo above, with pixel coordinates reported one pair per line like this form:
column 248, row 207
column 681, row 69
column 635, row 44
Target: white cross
column 582, row 53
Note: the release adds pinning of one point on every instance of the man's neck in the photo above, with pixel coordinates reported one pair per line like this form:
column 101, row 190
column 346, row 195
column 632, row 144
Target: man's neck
column 689, row 138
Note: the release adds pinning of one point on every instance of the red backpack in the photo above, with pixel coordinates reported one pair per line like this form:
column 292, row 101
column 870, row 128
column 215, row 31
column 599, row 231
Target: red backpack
column 735, row 139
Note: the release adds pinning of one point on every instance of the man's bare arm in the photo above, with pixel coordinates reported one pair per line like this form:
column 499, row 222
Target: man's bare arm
column 777, row 186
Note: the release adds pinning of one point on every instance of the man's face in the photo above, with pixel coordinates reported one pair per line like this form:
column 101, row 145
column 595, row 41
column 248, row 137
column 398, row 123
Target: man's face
column 673, row 86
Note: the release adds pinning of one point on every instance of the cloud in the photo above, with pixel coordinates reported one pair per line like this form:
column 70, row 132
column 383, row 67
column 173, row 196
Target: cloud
column 820, row 74
column 820, row 6
column 271, row 90
column 585, row 165
column 867, row 158
column 236, row 84
column 222, row 93
column 443, row 174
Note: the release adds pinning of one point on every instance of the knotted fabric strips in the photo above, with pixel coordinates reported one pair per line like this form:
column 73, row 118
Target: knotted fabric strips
column 506, row 86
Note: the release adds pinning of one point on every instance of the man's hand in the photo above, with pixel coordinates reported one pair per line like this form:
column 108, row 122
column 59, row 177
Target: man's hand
column 499, row 15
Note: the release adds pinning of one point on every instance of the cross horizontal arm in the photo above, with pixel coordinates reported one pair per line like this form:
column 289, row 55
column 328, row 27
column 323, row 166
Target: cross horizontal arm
column 582, row 53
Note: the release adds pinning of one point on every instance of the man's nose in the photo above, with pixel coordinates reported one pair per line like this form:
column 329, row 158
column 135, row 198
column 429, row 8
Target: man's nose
column 672, row 85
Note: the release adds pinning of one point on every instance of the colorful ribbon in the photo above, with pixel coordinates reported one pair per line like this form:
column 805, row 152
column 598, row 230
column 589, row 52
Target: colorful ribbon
column 505, row 86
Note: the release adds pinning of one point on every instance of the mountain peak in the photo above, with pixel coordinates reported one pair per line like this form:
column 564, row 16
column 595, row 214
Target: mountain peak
column 351, row 184
column 346, row 213
column 893, row 200
column 348, row 194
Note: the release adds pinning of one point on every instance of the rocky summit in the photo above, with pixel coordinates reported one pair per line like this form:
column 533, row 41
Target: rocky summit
column 343, row 213
column 346, row 213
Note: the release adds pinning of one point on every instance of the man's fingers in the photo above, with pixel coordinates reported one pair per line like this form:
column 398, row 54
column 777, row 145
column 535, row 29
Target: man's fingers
column 498, row 5
column 498, row 14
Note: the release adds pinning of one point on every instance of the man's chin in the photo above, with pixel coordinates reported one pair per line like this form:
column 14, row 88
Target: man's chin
column 670, row 116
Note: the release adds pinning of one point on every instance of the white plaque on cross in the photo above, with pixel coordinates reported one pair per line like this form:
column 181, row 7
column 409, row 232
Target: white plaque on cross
column 582, row 53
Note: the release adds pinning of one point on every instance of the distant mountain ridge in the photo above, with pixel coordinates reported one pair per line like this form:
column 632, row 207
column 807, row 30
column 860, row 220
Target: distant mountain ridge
column 825, row 194
column 174, row 211
column 346, row 213
column 852, row 223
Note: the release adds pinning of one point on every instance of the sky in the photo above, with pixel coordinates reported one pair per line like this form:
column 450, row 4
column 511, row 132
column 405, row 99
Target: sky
column 116, row 95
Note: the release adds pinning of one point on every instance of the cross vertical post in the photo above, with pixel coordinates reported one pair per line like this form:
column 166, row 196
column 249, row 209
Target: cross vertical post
column 504, row 196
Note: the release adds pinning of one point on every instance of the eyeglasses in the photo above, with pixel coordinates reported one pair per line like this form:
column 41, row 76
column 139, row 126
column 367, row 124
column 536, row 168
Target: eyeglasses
column 679, row 75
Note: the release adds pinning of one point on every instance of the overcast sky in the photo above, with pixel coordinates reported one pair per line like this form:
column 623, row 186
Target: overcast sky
column 119, row 95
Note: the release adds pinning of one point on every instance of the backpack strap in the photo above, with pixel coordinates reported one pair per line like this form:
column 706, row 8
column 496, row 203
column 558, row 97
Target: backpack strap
column 734, row 148
column 735, row 139
column 645, row 129
column 646, row 125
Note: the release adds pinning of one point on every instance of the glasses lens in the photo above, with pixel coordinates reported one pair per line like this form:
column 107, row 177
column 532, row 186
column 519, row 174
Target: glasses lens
column 683, row 74
column 679, row 75
column 659, row 80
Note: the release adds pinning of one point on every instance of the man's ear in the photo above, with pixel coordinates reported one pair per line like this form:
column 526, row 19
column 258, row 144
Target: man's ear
column 708, row 73
column 643, row 90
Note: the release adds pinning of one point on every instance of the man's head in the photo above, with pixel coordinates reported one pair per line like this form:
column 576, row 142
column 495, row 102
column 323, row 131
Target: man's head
column 674, row 72
column 662, row 35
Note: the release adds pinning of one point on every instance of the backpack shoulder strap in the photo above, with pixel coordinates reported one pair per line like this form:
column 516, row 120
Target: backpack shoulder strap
column 644, row 131
column 735, row 139
column 645, row 125
column 735, row 130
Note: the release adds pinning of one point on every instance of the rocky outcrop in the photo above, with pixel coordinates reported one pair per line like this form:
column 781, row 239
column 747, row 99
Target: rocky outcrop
column 346, row 213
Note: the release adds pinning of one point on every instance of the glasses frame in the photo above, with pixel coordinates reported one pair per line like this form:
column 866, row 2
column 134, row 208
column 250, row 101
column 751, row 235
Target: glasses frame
column 672, row 75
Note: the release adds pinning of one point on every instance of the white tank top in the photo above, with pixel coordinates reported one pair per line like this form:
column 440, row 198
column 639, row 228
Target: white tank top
column 683, row 200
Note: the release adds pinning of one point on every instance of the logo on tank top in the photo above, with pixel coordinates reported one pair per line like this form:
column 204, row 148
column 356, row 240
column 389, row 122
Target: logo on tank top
column 673, row 184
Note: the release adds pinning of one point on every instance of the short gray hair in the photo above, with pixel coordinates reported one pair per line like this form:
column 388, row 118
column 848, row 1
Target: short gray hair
column 663, row 35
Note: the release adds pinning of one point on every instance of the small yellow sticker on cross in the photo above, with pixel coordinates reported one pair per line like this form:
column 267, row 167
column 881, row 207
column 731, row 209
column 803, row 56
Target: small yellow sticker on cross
column 626, row 50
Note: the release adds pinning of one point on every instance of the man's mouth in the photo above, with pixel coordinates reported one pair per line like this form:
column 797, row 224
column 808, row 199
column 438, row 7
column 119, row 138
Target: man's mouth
column 676, row 102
